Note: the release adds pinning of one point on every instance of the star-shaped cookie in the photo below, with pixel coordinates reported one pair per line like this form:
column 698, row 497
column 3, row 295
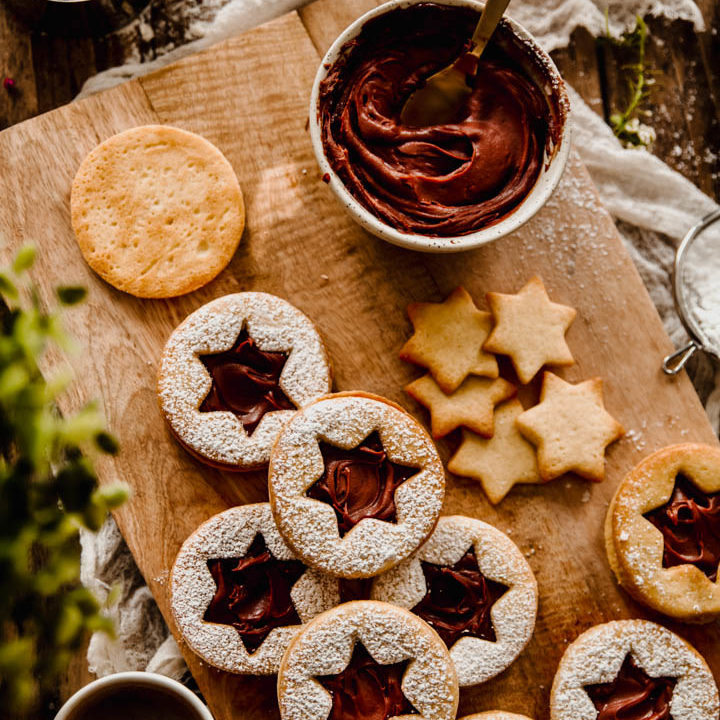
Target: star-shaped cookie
column 471, row 405
column 499, row 462
column 448, row 340
column 570, row 428
column 530, row 329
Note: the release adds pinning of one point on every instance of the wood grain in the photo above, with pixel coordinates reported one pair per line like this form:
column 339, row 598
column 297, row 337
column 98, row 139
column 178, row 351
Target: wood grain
column 252, row 103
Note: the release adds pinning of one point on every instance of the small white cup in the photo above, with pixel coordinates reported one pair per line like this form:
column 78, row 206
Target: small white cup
column 548, row 179
column 110, row 684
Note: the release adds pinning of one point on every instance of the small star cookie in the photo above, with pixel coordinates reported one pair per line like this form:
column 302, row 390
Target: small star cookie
column 570, row 428
column 500, row 462
column 471, row 405
column 448, row 340
column 530, row 329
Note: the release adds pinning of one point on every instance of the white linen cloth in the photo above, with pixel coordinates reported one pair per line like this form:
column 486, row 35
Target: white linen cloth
column 653, row 205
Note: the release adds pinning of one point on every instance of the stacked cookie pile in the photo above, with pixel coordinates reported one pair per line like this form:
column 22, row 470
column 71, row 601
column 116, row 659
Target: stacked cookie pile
column 355, row 493
column 567, row 431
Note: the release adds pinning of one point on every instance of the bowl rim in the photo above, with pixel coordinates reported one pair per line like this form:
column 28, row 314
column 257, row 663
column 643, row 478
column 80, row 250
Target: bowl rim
column 541, row 191
column 139, row 678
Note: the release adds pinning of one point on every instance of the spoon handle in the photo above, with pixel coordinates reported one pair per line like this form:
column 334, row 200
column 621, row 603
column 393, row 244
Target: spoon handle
column 489, row 19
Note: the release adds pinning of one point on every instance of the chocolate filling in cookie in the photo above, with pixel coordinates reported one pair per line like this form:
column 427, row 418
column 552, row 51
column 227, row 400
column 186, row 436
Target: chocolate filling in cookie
column 359, row 483
column 253, row 593
column 459, row 599
column 245, row 382
column 690, row 524
column 365, row 689
column 633, row 695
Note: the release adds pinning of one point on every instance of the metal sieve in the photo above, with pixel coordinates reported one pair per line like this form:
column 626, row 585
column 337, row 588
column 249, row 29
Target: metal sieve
column 686, row 300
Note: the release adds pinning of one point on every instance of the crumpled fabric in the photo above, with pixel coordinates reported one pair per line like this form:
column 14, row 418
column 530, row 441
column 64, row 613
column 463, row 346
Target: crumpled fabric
column 653, row 206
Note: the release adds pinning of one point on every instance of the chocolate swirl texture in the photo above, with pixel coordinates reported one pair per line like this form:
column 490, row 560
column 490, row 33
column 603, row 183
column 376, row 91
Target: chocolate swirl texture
column 245, row 381
column 690, row 525
column 359, row 483
column 458, row 600
column 365, row 689
column 633, row 695
column 253, row 593
column 443, row 180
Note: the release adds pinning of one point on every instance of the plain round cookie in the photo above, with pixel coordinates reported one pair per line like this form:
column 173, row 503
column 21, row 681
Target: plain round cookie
column 310, row 526
column 157, row 211
column 230, row 534
column 597, row 655
column 499, row 559
column 218, row 438
column 390, row 635
column 635, row 547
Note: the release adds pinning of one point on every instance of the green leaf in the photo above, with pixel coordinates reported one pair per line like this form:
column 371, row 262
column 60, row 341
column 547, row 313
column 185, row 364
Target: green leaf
column 107, row 443
column 71, row 294
column 7, row 287
column 24, row 259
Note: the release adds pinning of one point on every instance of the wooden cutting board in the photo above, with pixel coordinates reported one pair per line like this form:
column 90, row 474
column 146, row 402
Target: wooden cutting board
column 249, row 96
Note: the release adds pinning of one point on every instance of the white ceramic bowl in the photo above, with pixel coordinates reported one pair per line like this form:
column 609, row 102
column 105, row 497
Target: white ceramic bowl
column 115, row 683
column 547, row 180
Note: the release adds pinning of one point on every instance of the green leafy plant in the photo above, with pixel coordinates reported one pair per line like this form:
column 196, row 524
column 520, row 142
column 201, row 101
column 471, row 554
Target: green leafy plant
column 48, row 489
column 626, row 123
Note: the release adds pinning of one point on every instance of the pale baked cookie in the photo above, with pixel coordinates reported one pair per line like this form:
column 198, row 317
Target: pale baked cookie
column 530, row 329
column 471, row 405
column 472, row 584
column 356, row 484
column 367, row 659
column 499, row 462
column 239, row 594
column 157, row 211
column 633, row 669
column 663, row 532
column 495, row 715
column 234, row 372
column 570, row 428
column 448, row 340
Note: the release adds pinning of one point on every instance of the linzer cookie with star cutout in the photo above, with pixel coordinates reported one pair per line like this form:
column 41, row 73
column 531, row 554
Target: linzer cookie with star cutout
column 662, row 532
column 356, row 484
column 634, row 670
column 367, row 659
column 234, row 372
column 471, row 583
column 239, row 594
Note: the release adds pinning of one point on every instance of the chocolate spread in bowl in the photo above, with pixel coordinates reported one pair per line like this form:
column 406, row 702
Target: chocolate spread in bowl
column 444, row 180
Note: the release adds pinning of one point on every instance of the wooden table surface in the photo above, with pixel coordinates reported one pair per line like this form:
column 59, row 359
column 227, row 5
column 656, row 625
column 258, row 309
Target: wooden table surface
column 684, row 103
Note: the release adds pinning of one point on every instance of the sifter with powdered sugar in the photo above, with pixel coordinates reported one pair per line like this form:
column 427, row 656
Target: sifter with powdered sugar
column 696, row 285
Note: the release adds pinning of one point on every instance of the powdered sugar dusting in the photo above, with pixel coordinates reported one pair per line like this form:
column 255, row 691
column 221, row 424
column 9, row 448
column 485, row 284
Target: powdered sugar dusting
column 390, row 634
column 499, row 559
column 276, row 326
column 597, row 655
column 310, row 526
column 229, row 534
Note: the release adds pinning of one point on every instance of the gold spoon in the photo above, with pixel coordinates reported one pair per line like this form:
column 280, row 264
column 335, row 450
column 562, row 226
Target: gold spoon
column 438, row 101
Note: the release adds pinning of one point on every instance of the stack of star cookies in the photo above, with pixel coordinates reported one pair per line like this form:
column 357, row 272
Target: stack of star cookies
column 568, row 430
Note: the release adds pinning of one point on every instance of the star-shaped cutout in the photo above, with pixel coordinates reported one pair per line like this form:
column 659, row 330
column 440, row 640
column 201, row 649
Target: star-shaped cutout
column 359, row 483
column 530, row 329
column 448, row 340
column 690, row 524
column 499, row 462
column 458, row 600
column 633, row 694
column 245, row 381
column 570, row 428
column 366, row 689
column 253, row 593
column 471, row 405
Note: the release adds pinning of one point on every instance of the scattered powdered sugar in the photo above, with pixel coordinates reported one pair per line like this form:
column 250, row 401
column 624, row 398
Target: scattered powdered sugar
column 390, row 634
column 229, row 534
column 597, row 655
column 276, row 326
column 499, row 559
column 310, row 526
